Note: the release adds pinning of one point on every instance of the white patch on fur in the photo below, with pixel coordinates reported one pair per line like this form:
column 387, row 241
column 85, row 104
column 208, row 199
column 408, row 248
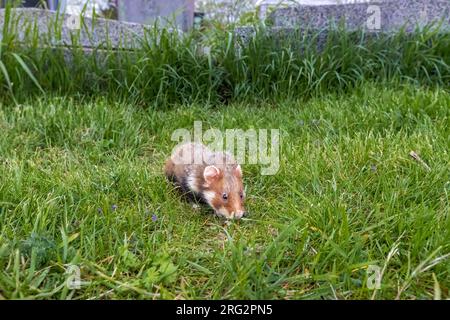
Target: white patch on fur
column 209, row 197
column 224, row 213
column 192, row 183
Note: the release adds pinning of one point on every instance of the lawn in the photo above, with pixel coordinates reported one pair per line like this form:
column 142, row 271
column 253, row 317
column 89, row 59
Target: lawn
column 81, row 185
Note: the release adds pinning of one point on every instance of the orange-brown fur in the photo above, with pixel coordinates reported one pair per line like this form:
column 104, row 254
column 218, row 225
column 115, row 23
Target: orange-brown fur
column 210, row 180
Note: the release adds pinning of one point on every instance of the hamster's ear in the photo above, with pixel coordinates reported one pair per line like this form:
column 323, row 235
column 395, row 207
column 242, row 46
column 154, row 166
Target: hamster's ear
column 211, row 173
column 238, row 170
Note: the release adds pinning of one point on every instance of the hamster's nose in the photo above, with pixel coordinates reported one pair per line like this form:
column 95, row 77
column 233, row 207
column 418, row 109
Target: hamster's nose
column 239, row 214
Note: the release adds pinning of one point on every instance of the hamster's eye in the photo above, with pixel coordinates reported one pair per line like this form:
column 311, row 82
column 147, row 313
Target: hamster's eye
column 225, row 196
column 242, row 196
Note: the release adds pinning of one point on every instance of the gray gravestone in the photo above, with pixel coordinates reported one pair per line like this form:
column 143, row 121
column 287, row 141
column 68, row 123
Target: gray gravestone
column 177, row 12
column 89, row 33
column 374, row 15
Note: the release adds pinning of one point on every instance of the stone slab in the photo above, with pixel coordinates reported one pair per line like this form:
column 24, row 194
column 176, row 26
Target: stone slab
column 374, row 15
column 89, row 32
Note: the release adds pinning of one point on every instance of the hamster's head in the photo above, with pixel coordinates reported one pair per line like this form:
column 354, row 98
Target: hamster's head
column 224, row 191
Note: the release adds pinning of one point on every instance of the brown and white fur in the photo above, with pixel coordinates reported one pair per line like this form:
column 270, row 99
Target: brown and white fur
column 215, row 178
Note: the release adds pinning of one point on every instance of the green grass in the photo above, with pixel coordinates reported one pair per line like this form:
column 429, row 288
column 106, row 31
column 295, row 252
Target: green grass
column 83, row 144
column 170, row 68
column 346, row 196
